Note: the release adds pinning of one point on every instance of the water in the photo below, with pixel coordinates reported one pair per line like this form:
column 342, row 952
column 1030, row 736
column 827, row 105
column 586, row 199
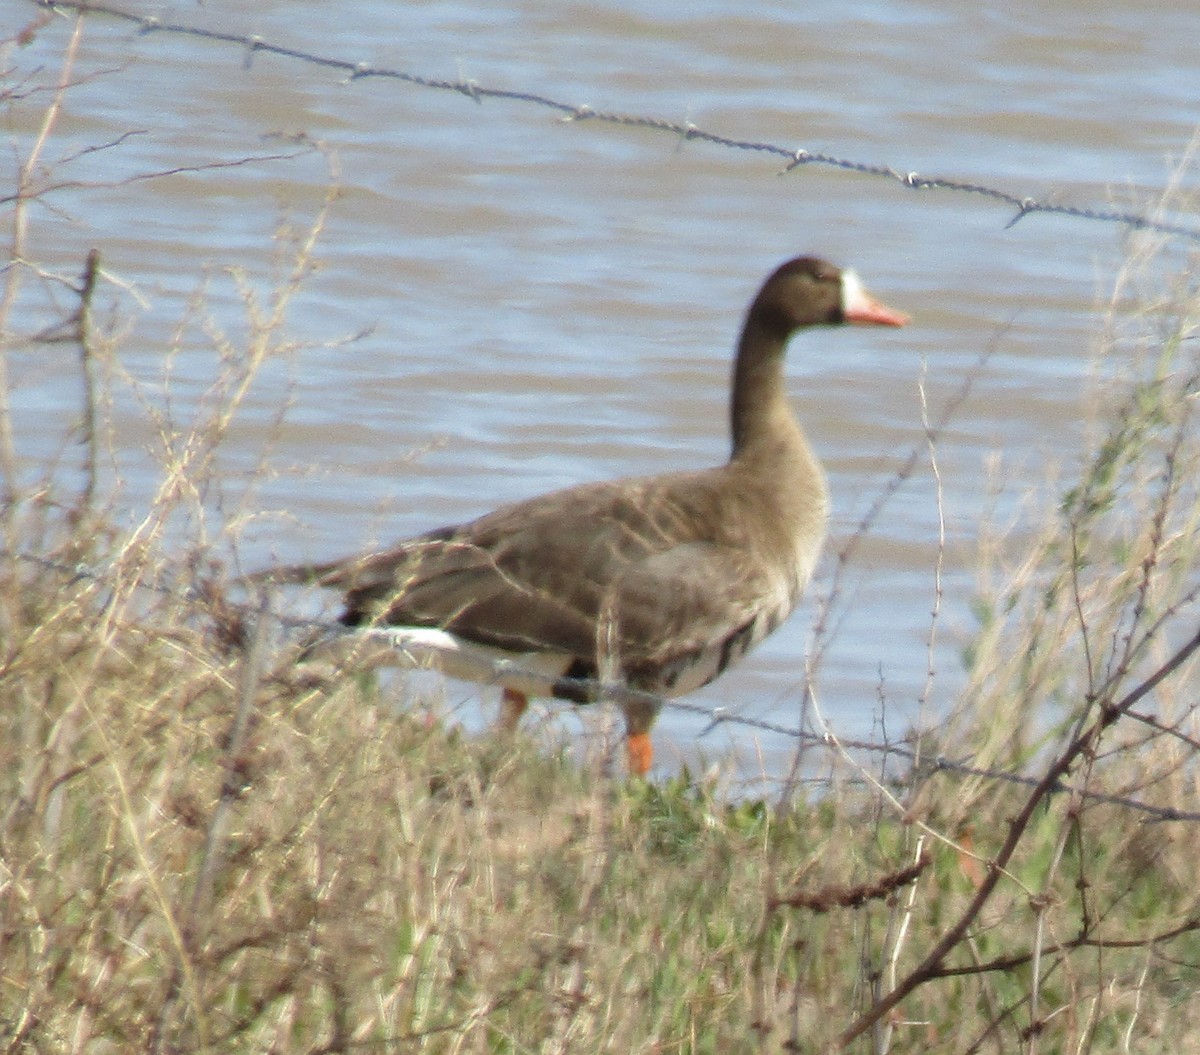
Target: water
column 541, row 302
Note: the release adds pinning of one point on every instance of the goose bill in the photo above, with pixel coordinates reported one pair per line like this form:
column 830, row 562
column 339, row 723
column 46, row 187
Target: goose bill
column 859, row 307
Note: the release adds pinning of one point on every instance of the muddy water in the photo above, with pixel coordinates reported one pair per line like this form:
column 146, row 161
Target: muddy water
column 537, row 303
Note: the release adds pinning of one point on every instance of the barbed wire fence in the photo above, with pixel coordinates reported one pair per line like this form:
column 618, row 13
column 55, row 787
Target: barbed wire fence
column 185, row 602
column 793, row 157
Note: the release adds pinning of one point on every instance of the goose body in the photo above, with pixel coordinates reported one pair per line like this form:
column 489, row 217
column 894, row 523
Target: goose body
column 658, row 582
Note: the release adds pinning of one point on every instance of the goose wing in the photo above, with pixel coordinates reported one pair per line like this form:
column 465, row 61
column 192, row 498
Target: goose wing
column 631, row 569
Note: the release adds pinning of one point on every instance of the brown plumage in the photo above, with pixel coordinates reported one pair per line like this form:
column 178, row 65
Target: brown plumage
column 659, row 582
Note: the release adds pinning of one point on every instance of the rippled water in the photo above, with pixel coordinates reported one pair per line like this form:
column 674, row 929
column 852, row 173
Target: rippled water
column 546, row 302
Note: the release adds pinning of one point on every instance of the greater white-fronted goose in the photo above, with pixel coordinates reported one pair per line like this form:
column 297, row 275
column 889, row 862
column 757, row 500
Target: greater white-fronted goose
column 658, row 582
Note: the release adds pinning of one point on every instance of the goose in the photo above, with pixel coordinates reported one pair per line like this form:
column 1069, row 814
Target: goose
column 657, row 583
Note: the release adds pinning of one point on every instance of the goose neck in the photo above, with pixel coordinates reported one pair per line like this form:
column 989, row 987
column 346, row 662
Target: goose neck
column 760, row 411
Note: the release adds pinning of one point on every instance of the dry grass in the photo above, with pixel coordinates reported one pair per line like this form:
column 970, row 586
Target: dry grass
column 207, row 848
column 346, row 876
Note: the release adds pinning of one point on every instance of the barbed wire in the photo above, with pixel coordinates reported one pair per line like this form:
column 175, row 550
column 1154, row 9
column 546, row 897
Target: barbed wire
column 1024, row 205
column 922, row 764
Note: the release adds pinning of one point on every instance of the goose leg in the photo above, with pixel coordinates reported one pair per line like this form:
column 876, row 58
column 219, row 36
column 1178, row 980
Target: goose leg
column 641, row 753
column 639, row 748
column 513, row 704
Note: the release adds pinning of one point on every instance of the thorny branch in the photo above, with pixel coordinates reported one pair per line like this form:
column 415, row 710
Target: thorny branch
column 1109, row 712
column 142, row 177
column 830, row 897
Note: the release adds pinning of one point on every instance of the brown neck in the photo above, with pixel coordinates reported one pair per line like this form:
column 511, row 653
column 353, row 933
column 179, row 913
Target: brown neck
column 761, row 414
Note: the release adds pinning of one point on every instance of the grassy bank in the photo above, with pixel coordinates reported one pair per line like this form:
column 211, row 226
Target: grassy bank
column 205, row 846
column 202, row 856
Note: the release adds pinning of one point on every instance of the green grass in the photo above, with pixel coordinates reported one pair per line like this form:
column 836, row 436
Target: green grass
column 386, row 883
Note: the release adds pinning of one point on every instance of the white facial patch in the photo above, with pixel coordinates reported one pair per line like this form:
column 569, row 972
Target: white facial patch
column 853, row 294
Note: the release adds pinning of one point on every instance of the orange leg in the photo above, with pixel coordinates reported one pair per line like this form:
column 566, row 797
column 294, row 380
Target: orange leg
column 513, row 704
column 641, row 753
column 638, row 746
column 639, row 719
